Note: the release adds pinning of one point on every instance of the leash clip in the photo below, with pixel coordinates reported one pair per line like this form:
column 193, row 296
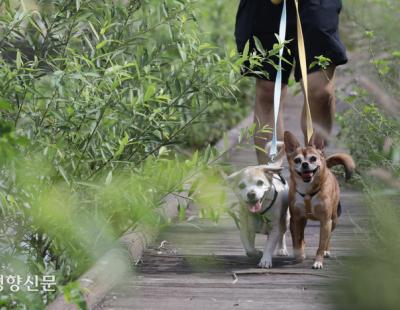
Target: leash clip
column 272, row 158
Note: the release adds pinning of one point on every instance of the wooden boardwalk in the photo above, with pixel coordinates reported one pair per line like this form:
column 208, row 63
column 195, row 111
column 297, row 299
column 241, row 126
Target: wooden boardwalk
column 195, row 268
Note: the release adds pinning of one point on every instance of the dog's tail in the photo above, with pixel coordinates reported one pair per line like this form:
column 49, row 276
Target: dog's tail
column 342, row 159
column 278, row 160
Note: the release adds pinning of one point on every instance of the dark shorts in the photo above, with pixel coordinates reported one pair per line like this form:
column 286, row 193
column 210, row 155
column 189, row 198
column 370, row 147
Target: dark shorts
column 320, row 23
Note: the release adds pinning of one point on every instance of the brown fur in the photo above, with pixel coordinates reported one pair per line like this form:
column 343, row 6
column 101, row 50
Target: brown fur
column 322, row 207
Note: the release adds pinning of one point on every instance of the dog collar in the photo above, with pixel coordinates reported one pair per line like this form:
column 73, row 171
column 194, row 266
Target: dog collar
column 311, row 195
column 272, row 201
column 281, row 178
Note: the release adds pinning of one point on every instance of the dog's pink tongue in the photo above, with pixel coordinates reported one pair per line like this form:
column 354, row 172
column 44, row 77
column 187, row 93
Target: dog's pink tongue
column 256, row 208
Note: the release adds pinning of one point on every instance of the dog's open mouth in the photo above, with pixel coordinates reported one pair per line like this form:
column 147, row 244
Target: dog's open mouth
column 307, row 175
column 255, row 207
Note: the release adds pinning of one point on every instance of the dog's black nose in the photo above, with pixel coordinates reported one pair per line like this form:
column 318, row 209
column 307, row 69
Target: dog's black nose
column 251, row 195
column 304, row 165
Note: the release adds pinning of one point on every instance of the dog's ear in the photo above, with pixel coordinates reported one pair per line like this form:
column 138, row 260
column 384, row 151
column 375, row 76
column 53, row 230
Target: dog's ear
column 268, row 169
column 317, row 141
column 231, row 178
column 291, row 142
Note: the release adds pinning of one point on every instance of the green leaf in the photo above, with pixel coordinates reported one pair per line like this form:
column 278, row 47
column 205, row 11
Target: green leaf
column 5, row 105
column 101, row 44
column 63, row 174
column 207, row 154
column 150, row 91
column 109, row 178
column 18, row 60
column 182, row 210
column 396, row 54
column 122, row 144
column 246, row 50
column 182, row 52
column 369, row 34
column 259, row 46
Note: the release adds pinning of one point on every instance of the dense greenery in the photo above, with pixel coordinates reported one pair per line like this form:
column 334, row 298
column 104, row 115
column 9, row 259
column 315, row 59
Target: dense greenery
column 96, row 98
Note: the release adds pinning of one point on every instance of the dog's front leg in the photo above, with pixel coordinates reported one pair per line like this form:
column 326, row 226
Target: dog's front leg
column 297, row 226
column 248, row 235
column 281, row 249
column 273, row 238
column 325, row 233
column 284, row 224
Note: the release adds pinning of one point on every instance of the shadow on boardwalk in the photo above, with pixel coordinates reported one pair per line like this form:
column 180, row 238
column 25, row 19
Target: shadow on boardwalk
column 195, row 268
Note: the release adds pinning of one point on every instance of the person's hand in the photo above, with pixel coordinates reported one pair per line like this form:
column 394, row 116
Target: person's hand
column 276, row 1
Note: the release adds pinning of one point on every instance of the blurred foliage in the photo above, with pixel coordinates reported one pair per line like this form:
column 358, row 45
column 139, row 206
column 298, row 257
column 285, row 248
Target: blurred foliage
column 373, row 137
column 95, row 99
column 372, row 25
column 52, row 228
column 216, row 22
column 372, row 279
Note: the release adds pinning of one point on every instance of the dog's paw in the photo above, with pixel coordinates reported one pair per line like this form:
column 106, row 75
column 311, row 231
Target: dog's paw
column 282, row 252
column 317, row 265
column 299, row 256
column 327, row 254
column 254, row 254
column 265, row 263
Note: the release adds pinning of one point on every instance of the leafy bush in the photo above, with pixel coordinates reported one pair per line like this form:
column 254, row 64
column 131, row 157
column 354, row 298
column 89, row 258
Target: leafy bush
column 94, row 97
column 370, row 135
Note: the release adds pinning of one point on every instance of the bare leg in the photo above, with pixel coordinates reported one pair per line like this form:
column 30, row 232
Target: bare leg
column 264, row 115
column 321, row 88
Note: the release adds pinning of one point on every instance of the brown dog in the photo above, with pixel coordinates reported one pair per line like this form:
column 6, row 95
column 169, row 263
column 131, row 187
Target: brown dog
column 313, row 192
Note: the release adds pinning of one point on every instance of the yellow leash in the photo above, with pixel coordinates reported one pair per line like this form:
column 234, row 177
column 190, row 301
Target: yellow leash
column 303, row 67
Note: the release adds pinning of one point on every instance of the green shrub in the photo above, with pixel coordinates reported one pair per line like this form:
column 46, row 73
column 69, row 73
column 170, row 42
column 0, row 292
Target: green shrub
column 370, row 135
column 94, row 97
column 372, row 27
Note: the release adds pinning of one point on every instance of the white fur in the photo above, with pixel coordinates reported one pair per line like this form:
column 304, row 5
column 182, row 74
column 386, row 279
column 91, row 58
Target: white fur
column 278, row 215
column 317, row 265
column 303, row 187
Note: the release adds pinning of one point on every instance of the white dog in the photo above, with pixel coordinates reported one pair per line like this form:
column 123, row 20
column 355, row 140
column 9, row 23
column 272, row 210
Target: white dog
column 263, row 198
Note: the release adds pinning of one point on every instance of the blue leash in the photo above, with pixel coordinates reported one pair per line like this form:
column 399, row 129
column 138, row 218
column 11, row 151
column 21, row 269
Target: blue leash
column 278, row 84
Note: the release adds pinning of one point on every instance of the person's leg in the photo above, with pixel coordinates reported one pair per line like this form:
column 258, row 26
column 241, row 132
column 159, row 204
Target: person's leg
column 264, row 115
column 321, row 92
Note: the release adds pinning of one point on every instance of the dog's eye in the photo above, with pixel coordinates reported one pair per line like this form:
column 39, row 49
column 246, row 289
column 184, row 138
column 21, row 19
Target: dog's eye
column 313, row 159
column 260, row 183
column 242, row 185
column 297, row 160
